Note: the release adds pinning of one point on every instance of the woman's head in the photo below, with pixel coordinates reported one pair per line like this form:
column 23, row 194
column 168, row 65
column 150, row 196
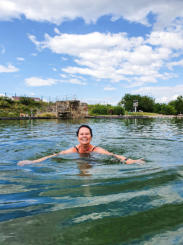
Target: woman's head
column 84, row 126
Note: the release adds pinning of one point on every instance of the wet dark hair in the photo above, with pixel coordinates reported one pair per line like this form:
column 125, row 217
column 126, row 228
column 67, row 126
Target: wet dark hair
column 84, row 126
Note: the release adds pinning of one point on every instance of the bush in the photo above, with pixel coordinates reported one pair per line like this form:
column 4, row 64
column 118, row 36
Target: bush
column 8, row 114
column 105, row 110
column 26, row 101
column 3, row 114
column 98, row 109
column 118, row 110
column 4, row 104
column 12, row 114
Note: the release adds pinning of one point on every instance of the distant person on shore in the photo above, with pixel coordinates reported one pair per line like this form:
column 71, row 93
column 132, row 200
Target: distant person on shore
column 84, row 134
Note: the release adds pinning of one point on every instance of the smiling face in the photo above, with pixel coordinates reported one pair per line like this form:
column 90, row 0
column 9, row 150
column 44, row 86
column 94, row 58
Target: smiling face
column 84, row 136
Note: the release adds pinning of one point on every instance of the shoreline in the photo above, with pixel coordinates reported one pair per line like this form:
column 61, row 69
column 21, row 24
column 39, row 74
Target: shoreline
column 134, row 116
column 98, row 117
column 24, row 118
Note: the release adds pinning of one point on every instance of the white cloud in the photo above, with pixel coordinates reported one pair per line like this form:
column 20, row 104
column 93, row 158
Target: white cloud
column 163, row 94
column 64, row 58
column 167, row 39
column 8, row 68
column 109, row 88
column 76, row 81
column 138, row 81
column 9, row 10
column 3, row 50
column 38, row 82
column 105, row 100
column 116, row 57
column 170, row 65
column 20, row 59
column 57, row 11
column 33, row 39
column 63, row 76
column 34, row 54
column 56, row 30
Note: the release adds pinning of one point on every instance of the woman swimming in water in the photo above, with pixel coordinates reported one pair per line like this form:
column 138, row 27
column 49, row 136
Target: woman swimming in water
column 84, row 134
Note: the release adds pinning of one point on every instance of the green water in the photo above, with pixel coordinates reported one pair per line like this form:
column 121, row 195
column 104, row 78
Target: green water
column 73, row 200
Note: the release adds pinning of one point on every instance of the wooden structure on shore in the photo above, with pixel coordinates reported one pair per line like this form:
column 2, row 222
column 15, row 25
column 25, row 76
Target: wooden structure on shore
column 69, row 109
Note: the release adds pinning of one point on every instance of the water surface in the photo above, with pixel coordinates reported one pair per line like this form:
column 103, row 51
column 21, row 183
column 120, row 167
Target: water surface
column 73, row 200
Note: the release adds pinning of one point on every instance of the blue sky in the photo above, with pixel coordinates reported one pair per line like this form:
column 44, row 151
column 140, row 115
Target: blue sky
column 94, row 51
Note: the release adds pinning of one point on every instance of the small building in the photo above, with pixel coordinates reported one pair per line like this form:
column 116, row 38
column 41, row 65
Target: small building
column 69, row 109
column 17, row 98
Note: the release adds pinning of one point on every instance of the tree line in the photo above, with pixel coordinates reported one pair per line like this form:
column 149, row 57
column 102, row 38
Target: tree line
column 148, row 104
column 145, row 104
column 30, row 107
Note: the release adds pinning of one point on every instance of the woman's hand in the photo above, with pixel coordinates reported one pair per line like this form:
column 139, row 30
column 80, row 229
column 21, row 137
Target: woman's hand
column 24, row 162
column 128, row 161
column 137, row 161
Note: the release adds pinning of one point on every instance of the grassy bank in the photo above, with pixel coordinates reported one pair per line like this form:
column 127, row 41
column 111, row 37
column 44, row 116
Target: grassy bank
column 24, row 107
column 149, row 114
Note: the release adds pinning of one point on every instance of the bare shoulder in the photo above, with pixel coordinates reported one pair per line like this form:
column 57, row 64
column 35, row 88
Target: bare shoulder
column 68, row 151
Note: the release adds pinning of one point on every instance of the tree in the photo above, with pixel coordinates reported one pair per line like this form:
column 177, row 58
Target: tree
column 27, row 101
column 5, row 102
column 167, row 109
column 145, row 103
column 127, row 101
column 157, row 108
column 179, row 105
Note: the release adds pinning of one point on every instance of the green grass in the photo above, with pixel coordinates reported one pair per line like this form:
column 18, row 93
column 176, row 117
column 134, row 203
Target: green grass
column 150, row 114
column 141, row 114
column 46, row 114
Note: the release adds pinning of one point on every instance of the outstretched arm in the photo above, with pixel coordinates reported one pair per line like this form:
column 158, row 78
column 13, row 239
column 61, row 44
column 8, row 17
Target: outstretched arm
column 120, row 157
column 24, row 162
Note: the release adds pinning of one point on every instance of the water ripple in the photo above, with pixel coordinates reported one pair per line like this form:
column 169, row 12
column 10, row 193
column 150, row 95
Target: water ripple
column 96, row 199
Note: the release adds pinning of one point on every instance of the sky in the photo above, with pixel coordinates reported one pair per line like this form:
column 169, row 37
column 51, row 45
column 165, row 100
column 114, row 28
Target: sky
column 93, row 51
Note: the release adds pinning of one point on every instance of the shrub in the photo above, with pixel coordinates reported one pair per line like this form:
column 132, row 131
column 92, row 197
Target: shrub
column 118, row 110
column 105, row 110
column 167, row 109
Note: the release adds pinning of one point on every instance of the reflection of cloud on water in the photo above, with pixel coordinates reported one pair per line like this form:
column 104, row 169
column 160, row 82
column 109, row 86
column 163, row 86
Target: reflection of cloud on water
column 161, row 196
column 11, row 188
column 167, row 237
column 166, row 195
column 92, row 216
